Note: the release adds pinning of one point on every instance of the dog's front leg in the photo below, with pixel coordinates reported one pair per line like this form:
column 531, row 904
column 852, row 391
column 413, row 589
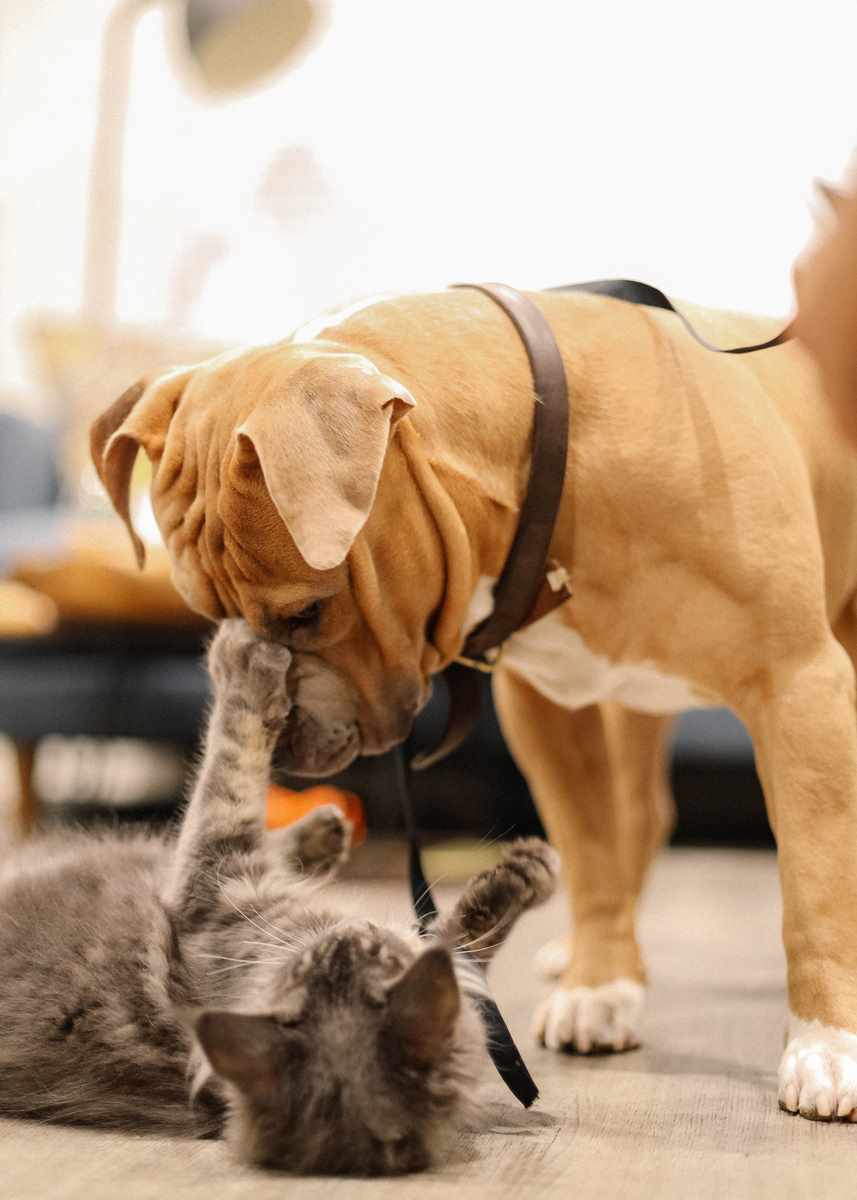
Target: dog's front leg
column 605, row 839
column 803, row 723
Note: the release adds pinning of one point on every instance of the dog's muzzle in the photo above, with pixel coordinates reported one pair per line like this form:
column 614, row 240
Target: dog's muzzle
column 328, row 727
column 311, row 747
column 321, row 735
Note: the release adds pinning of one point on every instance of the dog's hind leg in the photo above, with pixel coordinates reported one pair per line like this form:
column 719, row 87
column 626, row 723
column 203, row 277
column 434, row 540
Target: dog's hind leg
column 606, row 819
column 637, row 748
column 638, row 744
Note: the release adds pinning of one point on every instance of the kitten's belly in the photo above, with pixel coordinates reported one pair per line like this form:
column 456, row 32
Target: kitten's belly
column 556, row 661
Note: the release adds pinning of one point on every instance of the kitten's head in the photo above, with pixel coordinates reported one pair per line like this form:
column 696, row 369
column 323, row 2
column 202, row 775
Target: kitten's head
column 361, row 1067
column 367, row 1058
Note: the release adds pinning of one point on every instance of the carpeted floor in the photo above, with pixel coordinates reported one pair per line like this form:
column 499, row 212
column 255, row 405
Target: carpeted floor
column 693, row 1114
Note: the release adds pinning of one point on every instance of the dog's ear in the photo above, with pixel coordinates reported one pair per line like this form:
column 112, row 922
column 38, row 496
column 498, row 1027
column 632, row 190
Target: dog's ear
column 321, row 448
column 139, row 418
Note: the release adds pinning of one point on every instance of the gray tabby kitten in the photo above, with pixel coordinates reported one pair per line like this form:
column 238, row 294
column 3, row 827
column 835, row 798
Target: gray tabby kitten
column 193, row 985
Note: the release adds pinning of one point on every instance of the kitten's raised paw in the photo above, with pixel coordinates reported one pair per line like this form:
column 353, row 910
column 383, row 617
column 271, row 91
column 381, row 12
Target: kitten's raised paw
column 251, row 669
column 318, row 843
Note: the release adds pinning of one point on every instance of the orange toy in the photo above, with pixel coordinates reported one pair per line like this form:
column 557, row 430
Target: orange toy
column 286, row 806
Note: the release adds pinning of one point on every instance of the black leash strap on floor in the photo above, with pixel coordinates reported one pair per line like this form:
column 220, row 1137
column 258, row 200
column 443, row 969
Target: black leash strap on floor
column 499, row 1041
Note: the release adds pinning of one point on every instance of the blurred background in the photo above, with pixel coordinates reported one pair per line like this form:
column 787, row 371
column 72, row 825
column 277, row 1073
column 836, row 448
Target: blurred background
column 177, row 177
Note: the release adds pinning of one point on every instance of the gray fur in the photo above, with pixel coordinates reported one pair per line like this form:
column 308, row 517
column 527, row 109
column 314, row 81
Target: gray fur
column 193, row 985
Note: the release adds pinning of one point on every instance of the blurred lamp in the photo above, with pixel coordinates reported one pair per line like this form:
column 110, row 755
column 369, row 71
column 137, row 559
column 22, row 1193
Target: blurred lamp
column 233, row 44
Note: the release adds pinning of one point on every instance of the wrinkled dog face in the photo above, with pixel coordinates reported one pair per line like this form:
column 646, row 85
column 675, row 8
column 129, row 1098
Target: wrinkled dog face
column 266, row 466
column 361, row 1069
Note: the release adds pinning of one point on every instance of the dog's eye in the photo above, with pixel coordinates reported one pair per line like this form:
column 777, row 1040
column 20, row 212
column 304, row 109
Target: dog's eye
column 305, row 618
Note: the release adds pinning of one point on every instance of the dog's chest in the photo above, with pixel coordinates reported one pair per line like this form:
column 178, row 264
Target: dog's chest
column 556, row 661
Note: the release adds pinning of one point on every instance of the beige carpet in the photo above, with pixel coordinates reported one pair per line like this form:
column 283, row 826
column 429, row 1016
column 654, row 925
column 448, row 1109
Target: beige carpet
column 693, row 1114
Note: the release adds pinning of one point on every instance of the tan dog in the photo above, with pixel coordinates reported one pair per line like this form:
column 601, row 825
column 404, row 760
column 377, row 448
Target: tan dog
column 354, row 493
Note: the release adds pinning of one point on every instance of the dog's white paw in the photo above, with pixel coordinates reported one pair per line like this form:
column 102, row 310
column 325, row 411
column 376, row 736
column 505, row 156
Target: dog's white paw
column 818, row 1072
column 551, row 959
column 591, row 1019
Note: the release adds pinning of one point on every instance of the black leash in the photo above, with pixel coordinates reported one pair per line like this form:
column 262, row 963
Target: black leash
column 421, row 894
column 635, row 292
column 500, row 1043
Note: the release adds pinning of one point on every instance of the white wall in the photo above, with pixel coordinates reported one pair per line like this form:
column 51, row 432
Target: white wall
column 535, row 142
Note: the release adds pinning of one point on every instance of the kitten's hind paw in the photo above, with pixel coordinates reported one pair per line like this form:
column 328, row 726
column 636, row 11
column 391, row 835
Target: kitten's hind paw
column 492, row 902
column 537, row 863
column 317, row 844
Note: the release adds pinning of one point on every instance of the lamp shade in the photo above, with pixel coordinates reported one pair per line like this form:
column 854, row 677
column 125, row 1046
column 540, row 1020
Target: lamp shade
column 236, row 43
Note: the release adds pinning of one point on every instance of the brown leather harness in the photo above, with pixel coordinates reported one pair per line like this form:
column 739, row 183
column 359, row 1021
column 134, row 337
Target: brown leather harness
column 521, row 594
column 529, row 586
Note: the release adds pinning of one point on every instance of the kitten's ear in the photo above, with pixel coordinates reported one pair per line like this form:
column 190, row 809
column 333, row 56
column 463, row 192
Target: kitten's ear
column 242, row 1048
column 423, row 1007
